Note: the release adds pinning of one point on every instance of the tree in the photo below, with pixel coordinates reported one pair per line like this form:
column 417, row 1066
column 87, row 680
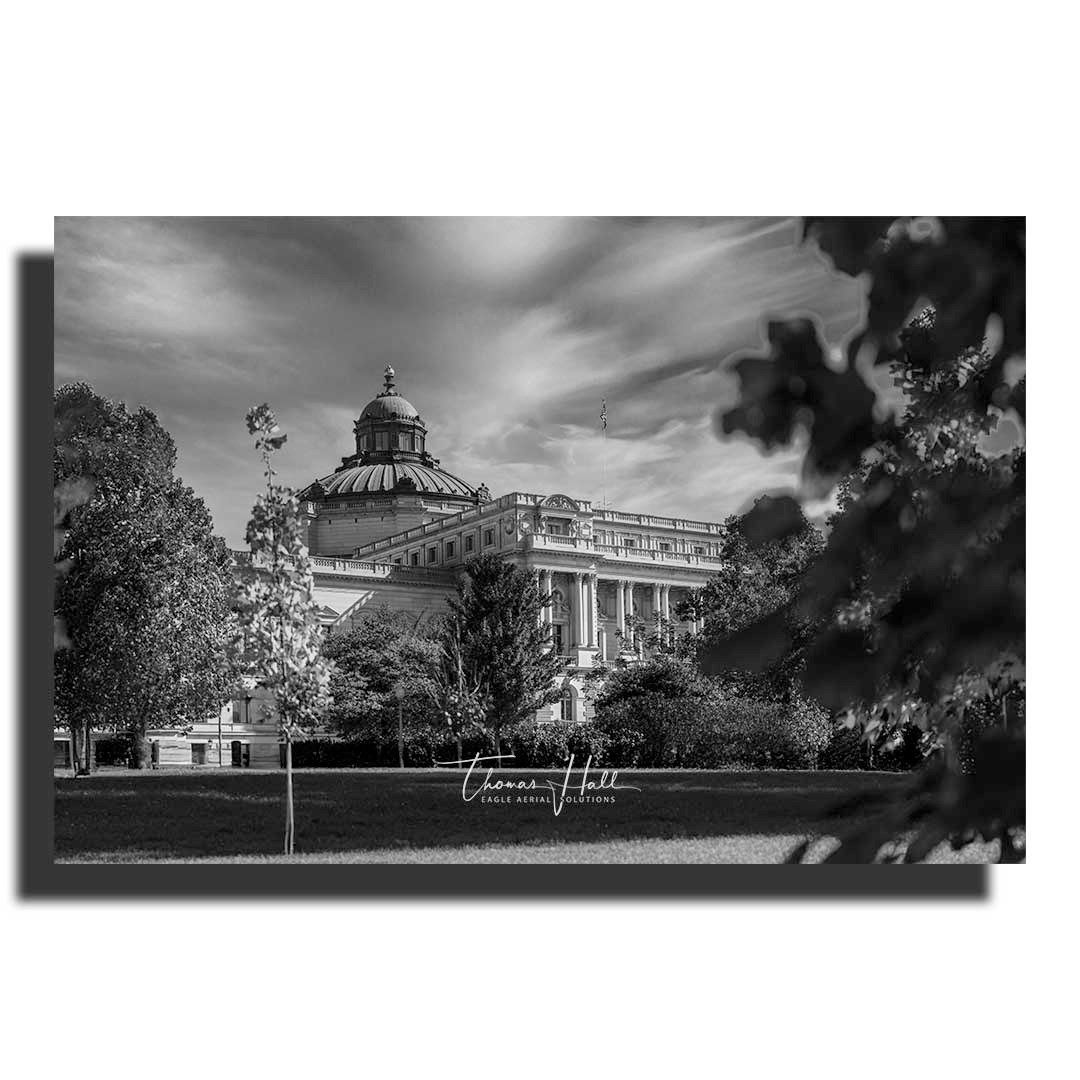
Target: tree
column 758, row 578
column 460, row 701
column 277, row 609
column 145, row 599
column 504, row 646
column 652, row 711
column 918, row 595
column 384, row 653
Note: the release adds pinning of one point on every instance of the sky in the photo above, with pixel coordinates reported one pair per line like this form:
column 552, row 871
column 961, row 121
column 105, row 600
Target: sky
column 505, row 333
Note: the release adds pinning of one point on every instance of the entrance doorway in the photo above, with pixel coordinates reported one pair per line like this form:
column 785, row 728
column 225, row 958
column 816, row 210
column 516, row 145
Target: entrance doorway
column 241, row 754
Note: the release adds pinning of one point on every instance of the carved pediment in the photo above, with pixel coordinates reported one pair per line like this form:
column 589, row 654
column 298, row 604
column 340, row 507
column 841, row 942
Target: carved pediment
column 560, row 502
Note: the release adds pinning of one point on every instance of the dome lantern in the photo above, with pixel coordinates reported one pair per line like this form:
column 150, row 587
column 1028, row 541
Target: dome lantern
column 390, row 428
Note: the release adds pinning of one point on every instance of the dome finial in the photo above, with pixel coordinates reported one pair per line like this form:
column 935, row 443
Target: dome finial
column 388, row 378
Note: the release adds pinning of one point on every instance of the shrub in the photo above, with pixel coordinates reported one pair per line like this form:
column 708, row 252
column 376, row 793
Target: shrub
column 756, row 734
column 540, row 746
column 844, row 750
column 422, row 749
column 653, row 731
column 711, row 732
column 665, row 677
column 585, row 741
column 549, row 746
column 653, row 715
column 847, row 749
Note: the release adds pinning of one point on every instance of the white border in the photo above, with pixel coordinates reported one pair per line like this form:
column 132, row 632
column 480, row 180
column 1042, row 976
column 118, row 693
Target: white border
column 494, row 108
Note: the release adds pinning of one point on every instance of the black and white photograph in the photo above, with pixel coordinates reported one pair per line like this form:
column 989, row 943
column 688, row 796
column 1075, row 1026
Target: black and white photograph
column 539, row 540
column 517, row 548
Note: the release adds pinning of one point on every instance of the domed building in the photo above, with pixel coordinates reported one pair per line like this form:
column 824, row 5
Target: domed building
column 390, row 528
column 389, row 485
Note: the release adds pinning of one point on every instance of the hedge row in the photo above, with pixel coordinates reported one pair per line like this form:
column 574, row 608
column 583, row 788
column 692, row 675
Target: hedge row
column 641, row 733
column 712, row 732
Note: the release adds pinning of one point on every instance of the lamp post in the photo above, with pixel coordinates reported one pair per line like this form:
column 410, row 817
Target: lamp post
column 399, row 693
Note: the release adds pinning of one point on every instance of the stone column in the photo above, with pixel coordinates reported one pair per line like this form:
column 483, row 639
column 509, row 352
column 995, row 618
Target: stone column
column 540, row 592
column 666, row 605
column 620, row 608
column 578, row 613
column 630, row 612
column 594, row 614
column 657, row 613
column 547, row 614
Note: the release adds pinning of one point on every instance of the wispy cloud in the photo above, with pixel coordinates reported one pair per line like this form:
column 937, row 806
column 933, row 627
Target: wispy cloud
column 506, row 333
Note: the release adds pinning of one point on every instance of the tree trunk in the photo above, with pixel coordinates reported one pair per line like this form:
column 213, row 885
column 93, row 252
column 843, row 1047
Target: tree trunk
column 290, row 825
column 400, row 739
column 88, row 749
column 74, row 748
column 140, row 750
column 457, row 743
column 498, row 750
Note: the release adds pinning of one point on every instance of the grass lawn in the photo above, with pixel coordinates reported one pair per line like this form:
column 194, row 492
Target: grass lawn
column 419, row 815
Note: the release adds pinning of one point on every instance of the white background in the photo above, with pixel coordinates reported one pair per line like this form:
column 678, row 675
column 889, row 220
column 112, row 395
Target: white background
column 564, row 108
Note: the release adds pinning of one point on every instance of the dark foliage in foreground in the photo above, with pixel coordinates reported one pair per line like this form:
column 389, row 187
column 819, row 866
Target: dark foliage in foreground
column 918, row 598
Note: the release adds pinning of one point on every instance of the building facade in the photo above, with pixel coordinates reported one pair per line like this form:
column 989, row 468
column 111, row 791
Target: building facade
column 390, row 527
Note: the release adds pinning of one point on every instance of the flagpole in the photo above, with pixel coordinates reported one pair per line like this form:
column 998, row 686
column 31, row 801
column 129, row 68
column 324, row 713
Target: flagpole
column 603, row 455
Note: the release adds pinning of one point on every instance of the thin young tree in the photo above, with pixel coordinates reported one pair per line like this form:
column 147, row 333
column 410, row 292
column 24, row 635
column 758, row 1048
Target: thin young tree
column 277, row 609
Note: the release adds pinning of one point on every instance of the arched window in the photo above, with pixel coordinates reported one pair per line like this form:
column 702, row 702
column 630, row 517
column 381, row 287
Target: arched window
column 566, row 705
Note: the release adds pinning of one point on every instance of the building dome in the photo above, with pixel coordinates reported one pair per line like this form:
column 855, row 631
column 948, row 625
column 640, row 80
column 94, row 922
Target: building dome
column 399, row 477
column 389, row 485
column 389, row 407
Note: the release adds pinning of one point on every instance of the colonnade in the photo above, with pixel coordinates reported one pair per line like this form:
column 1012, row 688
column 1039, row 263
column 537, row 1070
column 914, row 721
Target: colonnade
column 584, row 613
column 584, row 623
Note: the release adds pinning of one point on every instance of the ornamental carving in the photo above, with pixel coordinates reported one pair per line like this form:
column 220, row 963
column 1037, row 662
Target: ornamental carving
column 560, row 502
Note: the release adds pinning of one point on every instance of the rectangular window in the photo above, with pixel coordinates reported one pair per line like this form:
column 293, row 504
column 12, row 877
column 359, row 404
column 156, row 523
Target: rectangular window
column 198, row 753
column 469, row 543
column 414, row 559
column 449, row 549
column 432, row 553
column 629, row 541
column 489, row 537
column 382, row 440
column 405, row 441
column 698, row 549
column 397, row 560
column 664, row 547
